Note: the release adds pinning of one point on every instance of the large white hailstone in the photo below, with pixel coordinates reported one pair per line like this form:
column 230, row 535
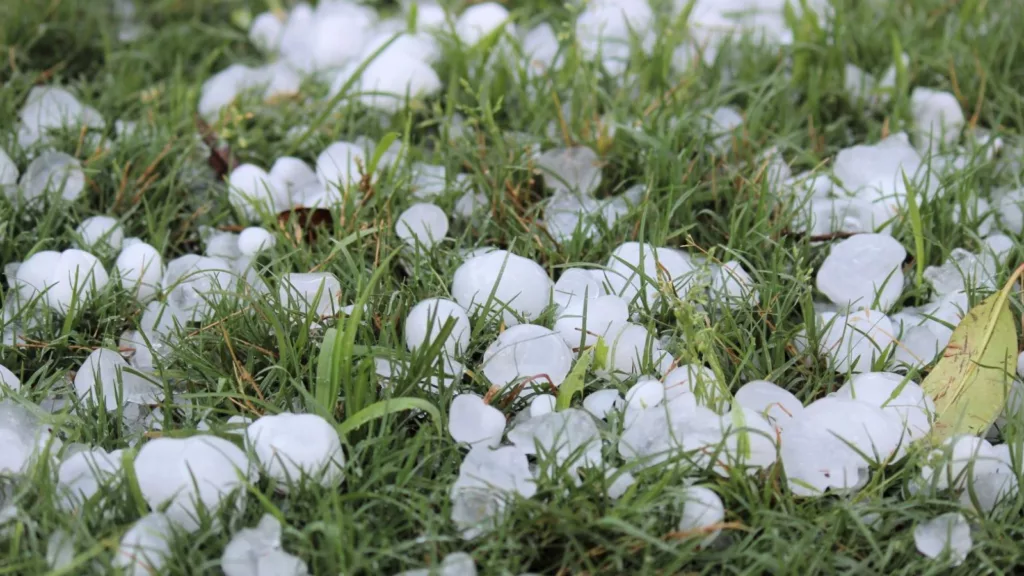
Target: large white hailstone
column 52, row 108
column 422, row 224
column 8, row 381
column 541, row 49
column 502, row 281
column 605, row 28
column 822, row 446
column 220, row 244
column 655, row 434
column 962, row 270
column 862, row 267
column 8, row 173
column 901, row 398
column 947, row 536
column 253, row 240
column 265, row 31
column 630, row 347
column 23, row 439
column 504, row 470
column 104, row 373
column 587, row 320
column 140, row 269
column 636, row 268
column 83, row 474
column 646, row 393
column 194, row 283
column 332, row 50
column 146, row 546
column 720, row 125
column 189, row 473
column 100, row 233
column 65, row 277
column 853, row 343
column 300, row 289
column 258, row 551
column 292, row 446
column 340, row 166
column 222, row 88
column 426, row 320
column 51, row 173
column 527, row 351
column 877, row 171
column 575, row 170
column 292, row 179
column 602, row 402
column 250, row 187
column 938, row 118
column 750, row 441
column 480, row 20
column 576, row 284
column 570, row 437
column 454, row 564
column 702, row 511
column 773, row 402
column 393, row 75
column 473, row 422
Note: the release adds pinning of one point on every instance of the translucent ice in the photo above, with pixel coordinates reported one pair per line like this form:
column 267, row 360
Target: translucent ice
column 861, row 268
column 527, row 351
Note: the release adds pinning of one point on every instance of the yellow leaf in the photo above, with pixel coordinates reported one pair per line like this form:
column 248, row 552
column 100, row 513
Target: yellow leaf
column 970, row 381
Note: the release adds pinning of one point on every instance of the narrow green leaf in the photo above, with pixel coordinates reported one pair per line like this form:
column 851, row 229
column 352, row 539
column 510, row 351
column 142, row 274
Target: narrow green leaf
column 386, row 407
column 575, row 381
column 378, row 152
column 917, row 226
column 969, row 382
column 132, row 481
column 328, row 372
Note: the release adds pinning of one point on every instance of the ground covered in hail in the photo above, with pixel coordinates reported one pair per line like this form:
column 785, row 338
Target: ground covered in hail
column 594, row 287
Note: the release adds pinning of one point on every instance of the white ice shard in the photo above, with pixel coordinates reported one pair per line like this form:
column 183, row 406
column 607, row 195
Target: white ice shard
column 256, row 551
column 317, row 291
column 575, row 170
column 85, row 473
column 471, row 421
column 947, row 536
column 194, row 284
column 702, row 511
column 570, row 437
column 291, row 447
column 146, row 546
column 584, row 321
column 51, row 174
column 527, row 351
column 23, row 439
column 862, row 268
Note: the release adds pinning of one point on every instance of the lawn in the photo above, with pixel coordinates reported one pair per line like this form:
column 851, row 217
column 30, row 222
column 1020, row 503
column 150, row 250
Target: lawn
column 665, row 202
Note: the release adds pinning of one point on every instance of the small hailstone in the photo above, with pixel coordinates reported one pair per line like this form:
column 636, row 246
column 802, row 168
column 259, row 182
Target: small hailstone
column 53, row 108
column 542, row 404
column 23, row 438
column 518, row 283
column 291, row 446
column 254, row 240
column 720, row 125
column 574, row 170
column 917, row 348
column 60, row 550
column 644, row 394
column 962, row 270
column 629, row 347
column 292, row 180
column 265, row 31
column 258, row 551
column 620, row 483
column 426, row 320
column 602, row 402
column 575, row 284
column 250, row 187
column 998, row 247
column 636, row 268
column 389, row 78
column 146, row 546
column 454, row 564
column 587, row 320
column 527, row 351
column 959, row 462
column 750, row 441
column 860, row 267
column 505, row 469
column 83, row 474
column 194, row 283
column 340, row 165
column 937, row 116
column 422, row 224
column 200, row 470
column 473, row 422
column 541, row 49
column 8, row 172
column 471, row 203
column 478, row 21
column 101, row 233
column 300, row 289
column 855, row 342
column 50, row 172
column 825, row 445
column 702, row 510
column 734, row 285
column 569, row 436
column 8, row 381
column 946, row 533
column 775, row 403
column 72, row 276
column 140, row 269
column 604, row 29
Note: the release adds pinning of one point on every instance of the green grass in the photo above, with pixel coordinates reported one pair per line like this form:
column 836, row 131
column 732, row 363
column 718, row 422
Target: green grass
column 258, row 355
